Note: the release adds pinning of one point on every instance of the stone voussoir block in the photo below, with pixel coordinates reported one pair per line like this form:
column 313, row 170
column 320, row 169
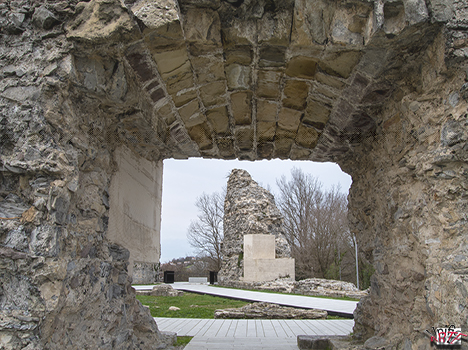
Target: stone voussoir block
column 266, row 131
column 289, row 119
column 226, row 147
column 240, row 54
column 202, row 28
column 238, row 77
column 244, row 137
column 316, row 115
column 208, row 69
column 201, row 134
column 219, row 119
column 301, row 67
column 340, row 64
column 307, row 136
column 191, row 114
column 268, row 84
column 295, row 92
column 213, row 93
column 241, row 104
column 266, row 111
column 272, row 56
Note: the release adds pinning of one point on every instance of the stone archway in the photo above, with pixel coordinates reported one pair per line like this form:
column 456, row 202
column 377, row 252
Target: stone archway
column 377, row 87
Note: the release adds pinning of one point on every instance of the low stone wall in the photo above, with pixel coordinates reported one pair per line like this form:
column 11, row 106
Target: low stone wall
column 270, row 311
column 330, row 288
column 162, row 290
column 311, row 286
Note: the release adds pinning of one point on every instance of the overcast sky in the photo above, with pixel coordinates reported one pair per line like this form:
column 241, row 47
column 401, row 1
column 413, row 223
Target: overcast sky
column 185, row 180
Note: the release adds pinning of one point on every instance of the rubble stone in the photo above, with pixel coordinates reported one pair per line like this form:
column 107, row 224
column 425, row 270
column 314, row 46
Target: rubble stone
column 269, row 311
column 248, row 209
column 310, row 286
column 162, row 290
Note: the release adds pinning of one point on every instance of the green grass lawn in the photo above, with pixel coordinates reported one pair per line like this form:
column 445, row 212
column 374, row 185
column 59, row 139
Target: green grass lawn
column 183, row 340
column 191, row 305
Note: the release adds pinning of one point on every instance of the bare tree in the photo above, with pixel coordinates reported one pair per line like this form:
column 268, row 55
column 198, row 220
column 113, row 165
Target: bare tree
column 316, row 225
column 206, row 233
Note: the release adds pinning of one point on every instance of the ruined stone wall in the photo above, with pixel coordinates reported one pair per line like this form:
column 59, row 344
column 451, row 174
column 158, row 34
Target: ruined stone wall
column 63, row 284
column 249, row 209
column 414, row 171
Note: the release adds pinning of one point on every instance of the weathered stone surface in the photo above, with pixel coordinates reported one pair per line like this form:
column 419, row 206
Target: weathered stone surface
column 191, row 115
column 143, row 272
column 268, row 84
column 238, row 77
column 269, row 311
column 161, row 290
column 156, row 14
column 244, row 137
column 266, row 131
column 387, row 101
column 310, row 286
column 289, row 119
column 208, row 69
column 307, row 136
column 201, row 134
column 43, row 18
column 283, row 143
column 202, row 30
column 101, row 21
column 340, row 63
column 301, row 67
column 272, row 56
column 376, row 343
column 296, row 93
column 219, row 120
column 241, row 104
column 331, row 288
column 239, row 54
column 266, row 111
column 226, row 147
column 316, row 115
column 248, row 209
column 311, row 22
column 213, row 94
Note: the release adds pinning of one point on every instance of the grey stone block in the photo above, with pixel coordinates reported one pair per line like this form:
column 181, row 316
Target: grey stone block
column 315, row 342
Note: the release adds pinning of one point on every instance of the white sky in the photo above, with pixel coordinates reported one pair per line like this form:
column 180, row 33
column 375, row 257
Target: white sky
column 185, row 180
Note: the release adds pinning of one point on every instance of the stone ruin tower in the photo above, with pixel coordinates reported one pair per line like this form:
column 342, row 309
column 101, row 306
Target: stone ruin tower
column 248, row 209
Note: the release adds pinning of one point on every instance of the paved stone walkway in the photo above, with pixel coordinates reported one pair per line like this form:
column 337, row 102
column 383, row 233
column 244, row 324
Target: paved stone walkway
column 250, row 334
column 210, row 334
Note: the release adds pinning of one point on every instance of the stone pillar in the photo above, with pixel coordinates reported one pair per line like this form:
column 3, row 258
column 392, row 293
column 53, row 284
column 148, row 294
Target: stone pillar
column 249, row 209
column 135, row 212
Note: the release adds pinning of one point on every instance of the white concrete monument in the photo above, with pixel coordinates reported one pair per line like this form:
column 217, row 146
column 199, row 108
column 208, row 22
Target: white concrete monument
column 260, row 263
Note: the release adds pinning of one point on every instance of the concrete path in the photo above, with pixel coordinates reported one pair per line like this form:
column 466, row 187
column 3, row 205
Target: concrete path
column 210, row 334
column 333, row 306
column 250, row 334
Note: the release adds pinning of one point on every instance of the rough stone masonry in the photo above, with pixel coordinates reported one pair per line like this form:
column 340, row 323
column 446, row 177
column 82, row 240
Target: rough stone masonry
column 249, row 209
column 377, row 86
